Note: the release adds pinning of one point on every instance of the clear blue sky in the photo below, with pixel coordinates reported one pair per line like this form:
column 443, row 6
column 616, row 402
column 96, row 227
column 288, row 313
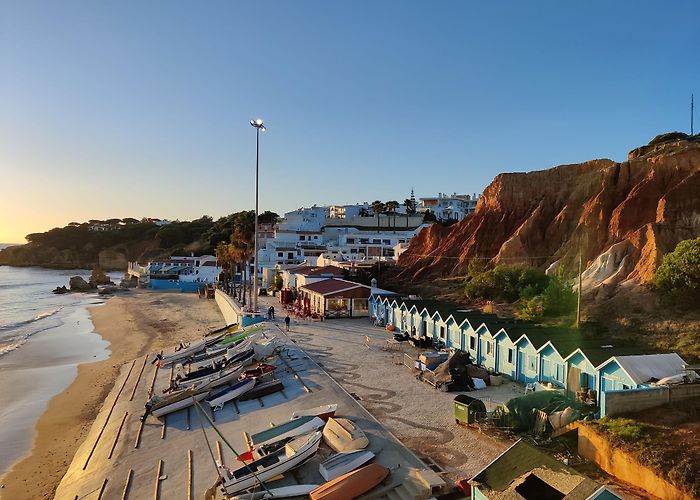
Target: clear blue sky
column 112, row 109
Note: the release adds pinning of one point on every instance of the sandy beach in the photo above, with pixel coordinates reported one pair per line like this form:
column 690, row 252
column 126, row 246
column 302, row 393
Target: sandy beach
column 134, row 324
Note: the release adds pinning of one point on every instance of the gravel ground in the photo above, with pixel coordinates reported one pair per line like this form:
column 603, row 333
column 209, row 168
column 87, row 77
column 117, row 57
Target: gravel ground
column 416, row 413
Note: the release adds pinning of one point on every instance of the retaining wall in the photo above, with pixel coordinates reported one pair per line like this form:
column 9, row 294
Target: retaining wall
column 616, row 402
column 622, row 465
column 227, row 307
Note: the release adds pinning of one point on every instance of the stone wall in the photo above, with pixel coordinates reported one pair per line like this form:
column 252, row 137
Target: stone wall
column 622, row 465
column 228, row 307
column 617, row 402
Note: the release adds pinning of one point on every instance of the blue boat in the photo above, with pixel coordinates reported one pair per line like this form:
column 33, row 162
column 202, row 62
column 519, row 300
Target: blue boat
column 217, row 401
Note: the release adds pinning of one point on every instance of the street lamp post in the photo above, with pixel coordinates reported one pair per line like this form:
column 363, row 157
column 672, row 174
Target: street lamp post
column 259, row 127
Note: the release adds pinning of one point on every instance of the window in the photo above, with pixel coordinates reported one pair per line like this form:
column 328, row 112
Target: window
column 386, row 242
column 353, row 250
column 279, row 254
column 442, row 332
column 531, row 362
column 376, row 241
column 472, row 343
column 489, row 347
column 315, row 237
column 625, row 387
column 510, row 356
column 364, row 241
column 350, row 241
column 290, row 255
column 302, row 238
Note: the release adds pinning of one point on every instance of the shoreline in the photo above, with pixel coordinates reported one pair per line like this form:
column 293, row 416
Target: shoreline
column 134, row 325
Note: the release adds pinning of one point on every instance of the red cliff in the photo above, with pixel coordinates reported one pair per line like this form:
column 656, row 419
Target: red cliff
column 621, row 217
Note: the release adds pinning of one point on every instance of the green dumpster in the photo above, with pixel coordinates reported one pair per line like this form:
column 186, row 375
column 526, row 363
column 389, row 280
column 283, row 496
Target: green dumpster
column 468, row 410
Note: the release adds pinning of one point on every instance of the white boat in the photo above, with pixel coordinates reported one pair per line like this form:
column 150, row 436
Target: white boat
column 183, row 353
column 159, row 405
column 342, row 463
column 297, row 490
column 218, row 400
column 342, row 434
column 324, row 412
column 294, row 453
column 264, row 348
column 288, row 429
column 220, row 378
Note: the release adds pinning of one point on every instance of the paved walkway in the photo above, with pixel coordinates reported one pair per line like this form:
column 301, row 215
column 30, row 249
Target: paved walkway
column 416, row 413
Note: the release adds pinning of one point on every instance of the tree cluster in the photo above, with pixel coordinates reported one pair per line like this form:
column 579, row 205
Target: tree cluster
column 678, row 277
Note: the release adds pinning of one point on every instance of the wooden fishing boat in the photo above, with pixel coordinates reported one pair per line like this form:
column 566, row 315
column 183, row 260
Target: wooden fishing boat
column 162, row 405
column 224, row 329
column 229, row 374
column 342, row 463
column 285, row 430
column 216, row 401
column 342, row 435
column 242, row 358
column 294, row 453
column 325, row 412
column 259, row 371
column 263, row 389
column 297, row 490
column 264, row 348
column 351, row 485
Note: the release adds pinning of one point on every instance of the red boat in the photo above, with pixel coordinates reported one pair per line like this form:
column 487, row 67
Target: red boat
column 257, row 372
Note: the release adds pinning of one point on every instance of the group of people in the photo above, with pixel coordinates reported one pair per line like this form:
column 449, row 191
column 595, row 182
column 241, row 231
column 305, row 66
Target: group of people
column 271, row 315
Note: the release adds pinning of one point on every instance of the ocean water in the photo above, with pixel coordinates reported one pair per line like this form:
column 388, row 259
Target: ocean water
column 43, row 339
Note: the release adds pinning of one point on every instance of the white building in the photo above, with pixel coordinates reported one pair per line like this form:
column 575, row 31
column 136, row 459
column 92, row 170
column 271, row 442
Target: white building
column 449, row 207
column 340, row 233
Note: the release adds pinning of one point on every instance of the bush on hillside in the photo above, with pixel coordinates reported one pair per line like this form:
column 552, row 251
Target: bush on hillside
column 506, row 283
column 670, row 136
column 678, row 277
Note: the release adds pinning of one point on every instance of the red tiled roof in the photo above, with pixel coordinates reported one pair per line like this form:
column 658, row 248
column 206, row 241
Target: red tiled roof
column 320, row 271
column 331, row 285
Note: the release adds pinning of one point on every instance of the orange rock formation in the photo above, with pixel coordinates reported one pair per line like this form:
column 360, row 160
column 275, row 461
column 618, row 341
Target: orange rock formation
column 621, row 217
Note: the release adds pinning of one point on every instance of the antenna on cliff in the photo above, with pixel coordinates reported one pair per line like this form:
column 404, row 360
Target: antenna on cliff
column 692, row 112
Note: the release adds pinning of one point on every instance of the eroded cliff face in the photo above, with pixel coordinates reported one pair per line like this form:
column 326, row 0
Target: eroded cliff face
column 621, row 217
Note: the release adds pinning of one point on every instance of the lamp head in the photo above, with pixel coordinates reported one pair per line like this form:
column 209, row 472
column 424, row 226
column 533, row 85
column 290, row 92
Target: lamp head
column 257, row 123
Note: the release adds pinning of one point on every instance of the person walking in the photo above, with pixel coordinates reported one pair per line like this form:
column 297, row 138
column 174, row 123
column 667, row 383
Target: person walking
column 272, row 311
column 287, row 319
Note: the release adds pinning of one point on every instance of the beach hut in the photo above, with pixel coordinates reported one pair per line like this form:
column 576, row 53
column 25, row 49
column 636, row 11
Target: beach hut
column 487, row 347
column 505, row 354
column 552, row 366
column 581, row 372
column 454, row 330
column 526, row 360
column 632, row 372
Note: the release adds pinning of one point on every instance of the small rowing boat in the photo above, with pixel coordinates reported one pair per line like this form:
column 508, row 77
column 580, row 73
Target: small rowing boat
column 287, row 429
column 325, row 412
column 162, row 405
column 351, row 485
column 342, row 434
column 342, row 463
column 293, row 454
column 259, row 371
column 261, row 390
column 218, row 400
column 297, row 490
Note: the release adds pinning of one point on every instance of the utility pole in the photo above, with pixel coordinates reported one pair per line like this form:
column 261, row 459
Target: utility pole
column 578, row 304
column 692, row 112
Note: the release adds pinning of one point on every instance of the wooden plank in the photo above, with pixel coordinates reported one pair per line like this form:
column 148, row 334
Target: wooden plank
column 116, row 437
column 162, row 428
column 125, row 491
column 102, row 489
column 189, row 474
column 218, row 452
column 111, row 409
column 153, row 382
column 138, row 379
column 156, row 491
column 137, row 441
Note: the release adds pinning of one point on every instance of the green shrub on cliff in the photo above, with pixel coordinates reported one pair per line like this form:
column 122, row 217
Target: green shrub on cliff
column 678, row 277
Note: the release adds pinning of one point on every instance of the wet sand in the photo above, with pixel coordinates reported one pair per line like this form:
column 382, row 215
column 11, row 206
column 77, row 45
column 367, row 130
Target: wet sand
column 135, row 324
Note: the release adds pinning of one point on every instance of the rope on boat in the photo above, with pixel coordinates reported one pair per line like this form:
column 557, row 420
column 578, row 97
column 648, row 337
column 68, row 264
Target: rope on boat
column 111, row 409
column 125, row 491
column 116, row 438
column 138, row 379
column 238, row 456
